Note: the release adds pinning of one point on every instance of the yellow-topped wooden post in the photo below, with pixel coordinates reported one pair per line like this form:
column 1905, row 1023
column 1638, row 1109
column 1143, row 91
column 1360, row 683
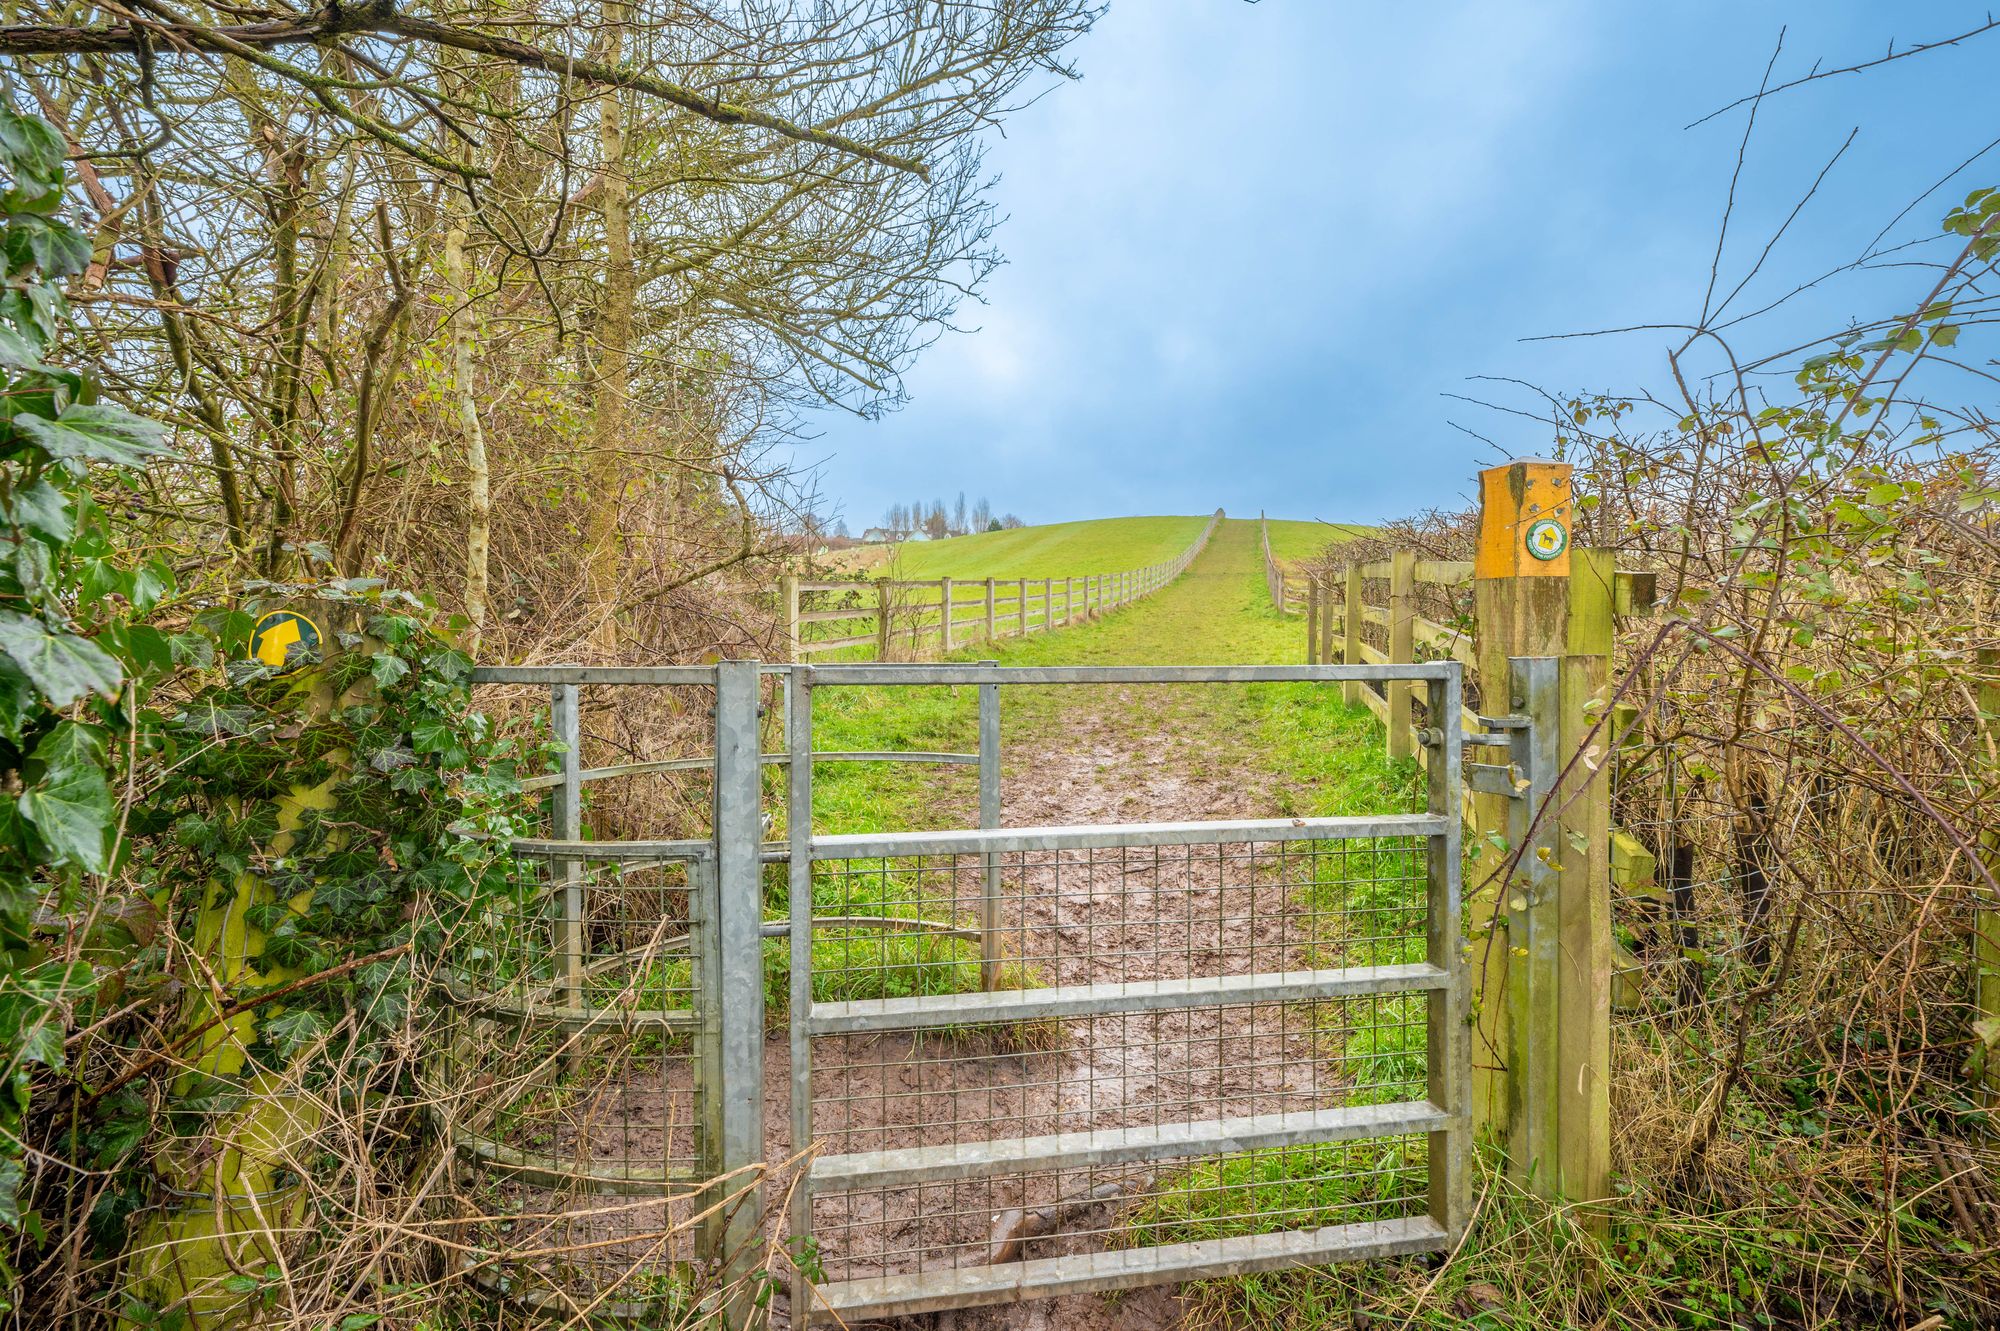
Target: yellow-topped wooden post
column 1543, row 952
column 1521, row 597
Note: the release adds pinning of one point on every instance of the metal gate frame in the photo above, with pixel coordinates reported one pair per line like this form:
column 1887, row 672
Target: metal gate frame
column 1445, row 1115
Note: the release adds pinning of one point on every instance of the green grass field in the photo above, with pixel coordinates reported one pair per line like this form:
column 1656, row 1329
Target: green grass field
column 1327, row 755
column 1058, row 550
column 1316, row 755
column 1293, row 542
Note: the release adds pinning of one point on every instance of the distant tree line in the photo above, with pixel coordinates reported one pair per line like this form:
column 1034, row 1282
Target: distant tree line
column 935, row 521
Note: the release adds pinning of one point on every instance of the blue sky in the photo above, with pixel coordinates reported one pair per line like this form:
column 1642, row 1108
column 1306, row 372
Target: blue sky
column 1254, row 249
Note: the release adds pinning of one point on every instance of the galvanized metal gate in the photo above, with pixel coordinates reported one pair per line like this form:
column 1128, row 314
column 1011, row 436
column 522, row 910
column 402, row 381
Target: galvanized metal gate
column 1026, row 1061
column 1175, row 1050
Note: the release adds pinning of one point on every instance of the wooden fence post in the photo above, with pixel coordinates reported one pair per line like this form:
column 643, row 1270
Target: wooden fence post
column 1583, row 931
column 1544, row 1038
column 944, row 613
column 1350, row 634
column 881, row 619
column 1522, row 607
column 788, row 602
column 1402, row 647
column 1583, row 862
column 1312, row 621
column 1326, row 618
column 1021, row 608
column 991, row 633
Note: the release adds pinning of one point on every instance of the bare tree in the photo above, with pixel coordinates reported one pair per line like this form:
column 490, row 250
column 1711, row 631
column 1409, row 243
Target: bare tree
column 937, row 525
column 656, row 238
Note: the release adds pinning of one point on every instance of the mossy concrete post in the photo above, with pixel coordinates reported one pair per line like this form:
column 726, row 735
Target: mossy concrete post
column 239, row 1194
column 1986, row 919
column 1350, row 635
column 1402, row 648
column 1521, row 600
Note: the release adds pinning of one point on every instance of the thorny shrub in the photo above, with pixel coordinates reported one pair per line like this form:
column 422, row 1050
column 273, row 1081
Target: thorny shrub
column 1801, row 745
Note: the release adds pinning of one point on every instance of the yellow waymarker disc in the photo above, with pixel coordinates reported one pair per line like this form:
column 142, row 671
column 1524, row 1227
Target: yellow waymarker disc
column 281, row 632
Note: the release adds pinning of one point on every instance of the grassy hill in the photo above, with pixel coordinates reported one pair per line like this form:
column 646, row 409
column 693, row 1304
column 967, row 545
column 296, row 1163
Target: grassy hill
column 1058, row 550
column 1069, row 549
column 1295, row 541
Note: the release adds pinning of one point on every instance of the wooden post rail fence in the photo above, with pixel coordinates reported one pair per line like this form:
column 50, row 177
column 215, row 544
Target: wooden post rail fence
column 1290, row 593
column 1538, row 641
column 892, row 615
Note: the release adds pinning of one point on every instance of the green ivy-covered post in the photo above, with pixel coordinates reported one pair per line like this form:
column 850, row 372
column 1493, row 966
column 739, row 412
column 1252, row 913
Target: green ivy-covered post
column 319, row 818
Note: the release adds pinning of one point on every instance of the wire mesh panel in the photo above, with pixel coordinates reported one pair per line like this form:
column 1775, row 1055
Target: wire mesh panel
column 577, row 1053
column 1035, row 1061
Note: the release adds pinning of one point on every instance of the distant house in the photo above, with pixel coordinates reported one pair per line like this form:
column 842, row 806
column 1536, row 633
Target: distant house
column 877, row 536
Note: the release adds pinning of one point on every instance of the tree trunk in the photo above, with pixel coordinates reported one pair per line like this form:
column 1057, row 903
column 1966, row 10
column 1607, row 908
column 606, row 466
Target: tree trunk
column 606, row 479
column 478, row 480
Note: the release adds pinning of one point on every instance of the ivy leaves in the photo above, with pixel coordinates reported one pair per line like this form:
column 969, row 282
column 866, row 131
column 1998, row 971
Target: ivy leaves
column 100, row 433
column 403, row 761
column 63, row 667
column 66, row 630
column 69, row 805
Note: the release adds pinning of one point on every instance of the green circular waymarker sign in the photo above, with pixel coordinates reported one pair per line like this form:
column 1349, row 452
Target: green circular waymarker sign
column 1547, row 539
column 281, row 633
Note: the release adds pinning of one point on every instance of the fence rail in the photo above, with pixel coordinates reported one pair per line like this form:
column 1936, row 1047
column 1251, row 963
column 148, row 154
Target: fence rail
column 907, row 616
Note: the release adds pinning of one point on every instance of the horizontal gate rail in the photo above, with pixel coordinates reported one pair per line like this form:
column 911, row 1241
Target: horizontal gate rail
column 1095, row 1272
column 590, row 774
column 580, row 674
column 1109, row 1146
column 987, row 841
column 1119, row 996
column 987, row 674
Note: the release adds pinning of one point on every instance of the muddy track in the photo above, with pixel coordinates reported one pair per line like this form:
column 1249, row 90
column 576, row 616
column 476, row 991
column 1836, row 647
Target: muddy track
column 1118, row 754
